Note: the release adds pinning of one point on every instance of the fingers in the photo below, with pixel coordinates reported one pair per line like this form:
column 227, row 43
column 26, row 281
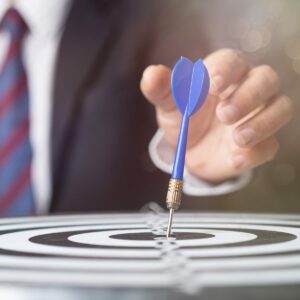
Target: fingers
column 155, row 85
column 245, row 159
column 260, row 85
column 265, row 123
column 226, row 67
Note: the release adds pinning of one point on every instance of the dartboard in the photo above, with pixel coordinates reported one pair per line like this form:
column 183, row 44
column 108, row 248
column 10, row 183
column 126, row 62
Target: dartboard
column 131, row 252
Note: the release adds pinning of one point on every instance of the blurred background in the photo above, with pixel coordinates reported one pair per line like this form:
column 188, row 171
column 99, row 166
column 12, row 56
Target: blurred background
column 268, row 32
column 125, row 37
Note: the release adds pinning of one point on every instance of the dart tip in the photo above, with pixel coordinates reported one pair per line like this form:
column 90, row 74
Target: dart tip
column 169, row 230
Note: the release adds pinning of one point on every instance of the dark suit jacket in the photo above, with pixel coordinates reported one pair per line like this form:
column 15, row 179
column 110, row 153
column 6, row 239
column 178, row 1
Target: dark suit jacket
column 101, row 125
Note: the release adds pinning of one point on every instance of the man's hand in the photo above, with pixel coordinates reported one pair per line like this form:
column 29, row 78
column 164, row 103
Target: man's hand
column 234, row 130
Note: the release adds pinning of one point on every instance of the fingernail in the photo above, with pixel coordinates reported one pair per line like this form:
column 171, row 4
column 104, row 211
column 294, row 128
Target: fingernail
column 227, row 113
column 245, row 136
column 237, row 161
column 217, row 82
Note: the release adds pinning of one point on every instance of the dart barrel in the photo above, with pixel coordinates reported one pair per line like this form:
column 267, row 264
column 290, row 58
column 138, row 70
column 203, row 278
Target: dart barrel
column 174, row 193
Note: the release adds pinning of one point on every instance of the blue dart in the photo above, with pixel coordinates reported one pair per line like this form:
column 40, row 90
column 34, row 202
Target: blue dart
column 190, row 85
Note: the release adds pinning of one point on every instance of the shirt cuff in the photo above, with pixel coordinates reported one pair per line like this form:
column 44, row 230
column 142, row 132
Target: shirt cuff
column 162, row 155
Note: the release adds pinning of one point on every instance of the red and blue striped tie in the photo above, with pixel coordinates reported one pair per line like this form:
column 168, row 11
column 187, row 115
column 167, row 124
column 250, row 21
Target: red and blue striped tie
column 16, row 197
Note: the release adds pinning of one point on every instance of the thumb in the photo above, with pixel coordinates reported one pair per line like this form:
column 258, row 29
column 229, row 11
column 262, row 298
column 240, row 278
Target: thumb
column 155, row 85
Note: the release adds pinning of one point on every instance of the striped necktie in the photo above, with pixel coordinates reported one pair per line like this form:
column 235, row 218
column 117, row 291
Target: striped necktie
column 16, row 197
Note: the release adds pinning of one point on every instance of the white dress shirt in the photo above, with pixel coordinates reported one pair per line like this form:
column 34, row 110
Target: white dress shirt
column 46, row 20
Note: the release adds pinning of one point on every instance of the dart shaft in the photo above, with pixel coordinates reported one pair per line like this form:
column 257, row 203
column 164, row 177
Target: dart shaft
column 178, row 166
column 174, row 194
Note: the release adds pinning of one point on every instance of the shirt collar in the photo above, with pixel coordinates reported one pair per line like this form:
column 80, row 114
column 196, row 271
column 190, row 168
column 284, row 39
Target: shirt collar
column 45, row 18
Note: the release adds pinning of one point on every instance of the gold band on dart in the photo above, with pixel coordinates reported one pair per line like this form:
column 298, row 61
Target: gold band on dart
column 173, row 199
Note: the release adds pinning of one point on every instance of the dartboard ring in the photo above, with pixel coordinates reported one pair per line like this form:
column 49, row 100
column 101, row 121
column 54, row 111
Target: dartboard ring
column 125, row 250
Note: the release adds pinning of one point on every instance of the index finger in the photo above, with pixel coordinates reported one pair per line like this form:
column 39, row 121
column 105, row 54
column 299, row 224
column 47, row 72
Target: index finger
column 225, row 67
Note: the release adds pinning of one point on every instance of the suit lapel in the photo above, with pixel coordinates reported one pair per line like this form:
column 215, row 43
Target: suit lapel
column 89, row 33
